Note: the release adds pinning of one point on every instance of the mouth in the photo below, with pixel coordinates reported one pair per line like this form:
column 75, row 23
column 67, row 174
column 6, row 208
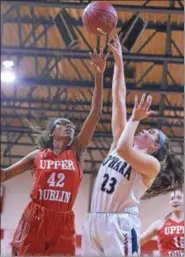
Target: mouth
column 175, row 205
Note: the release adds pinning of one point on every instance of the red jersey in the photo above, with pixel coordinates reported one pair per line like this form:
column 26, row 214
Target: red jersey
column 56, row 179
column 171, row 238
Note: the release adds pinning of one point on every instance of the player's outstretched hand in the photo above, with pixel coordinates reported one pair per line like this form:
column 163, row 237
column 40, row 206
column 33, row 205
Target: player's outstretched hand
column 142, row 109
column 98, row 61
column 115, row 46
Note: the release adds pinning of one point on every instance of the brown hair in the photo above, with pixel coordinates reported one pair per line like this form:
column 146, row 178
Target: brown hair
column 43, row 137
column 171, row 175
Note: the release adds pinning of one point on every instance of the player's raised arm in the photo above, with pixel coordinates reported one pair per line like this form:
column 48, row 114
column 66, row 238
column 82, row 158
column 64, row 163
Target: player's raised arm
column 141, row 161
column 118, row 91
column 19, row 167
column 98, row 62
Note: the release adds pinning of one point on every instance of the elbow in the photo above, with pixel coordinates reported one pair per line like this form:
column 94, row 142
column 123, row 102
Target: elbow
column 124, row 148
column 124, row 152
column 3, row 176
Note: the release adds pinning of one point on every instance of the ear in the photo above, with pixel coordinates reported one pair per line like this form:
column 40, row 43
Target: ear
column 155, row 146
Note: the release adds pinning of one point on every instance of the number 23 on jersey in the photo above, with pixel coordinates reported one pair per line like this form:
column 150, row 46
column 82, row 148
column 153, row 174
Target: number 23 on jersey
column 108, row 184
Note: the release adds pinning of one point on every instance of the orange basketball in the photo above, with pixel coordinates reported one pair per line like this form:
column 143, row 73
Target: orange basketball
column 100, row 18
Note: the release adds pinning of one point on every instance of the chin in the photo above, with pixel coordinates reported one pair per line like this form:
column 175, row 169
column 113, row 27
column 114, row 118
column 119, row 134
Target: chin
column 139, row 145
column 177, row 209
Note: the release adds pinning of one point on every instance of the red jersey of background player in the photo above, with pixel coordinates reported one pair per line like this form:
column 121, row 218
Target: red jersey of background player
column 56, row 179
column 171, row 238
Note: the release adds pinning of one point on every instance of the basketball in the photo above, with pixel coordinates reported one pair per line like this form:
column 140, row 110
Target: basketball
column 100, row 18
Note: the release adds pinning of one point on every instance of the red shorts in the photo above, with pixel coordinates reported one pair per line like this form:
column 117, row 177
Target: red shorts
column 44, row 232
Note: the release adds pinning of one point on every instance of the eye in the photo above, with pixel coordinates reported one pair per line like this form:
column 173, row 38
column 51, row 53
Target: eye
column 151, row 131
column 68, row 125
column 179, row 197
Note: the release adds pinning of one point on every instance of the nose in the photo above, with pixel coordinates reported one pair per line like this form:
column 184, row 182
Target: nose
column 175, row 202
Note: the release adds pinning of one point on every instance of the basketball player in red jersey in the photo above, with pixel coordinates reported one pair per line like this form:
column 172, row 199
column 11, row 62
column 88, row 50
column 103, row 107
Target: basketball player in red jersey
column 170, row 231
column 47, row 224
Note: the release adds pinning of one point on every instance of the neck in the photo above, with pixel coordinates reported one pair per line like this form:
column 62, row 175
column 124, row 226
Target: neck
column 177, row 215
column 141, row 150
column 58, row 151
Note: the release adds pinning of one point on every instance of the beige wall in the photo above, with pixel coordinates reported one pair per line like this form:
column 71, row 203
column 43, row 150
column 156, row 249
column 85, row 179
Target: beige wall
column 153, row 209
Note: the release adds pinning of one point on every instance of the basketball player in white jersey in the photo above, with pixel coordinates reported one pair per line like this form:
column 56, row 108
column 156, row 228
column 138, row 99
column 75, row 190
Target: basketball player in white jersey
column 112, row 227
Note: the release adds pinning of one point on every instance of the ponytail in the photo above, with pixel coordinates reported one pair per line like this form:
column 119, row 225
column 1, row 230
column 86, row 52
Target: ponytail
column 42, row 138
column 170, row 178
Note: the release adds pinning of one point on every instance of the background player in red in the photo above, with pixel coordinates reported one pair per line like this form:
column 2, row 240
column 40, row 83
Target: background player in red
column 47, row 224
column 169, row 231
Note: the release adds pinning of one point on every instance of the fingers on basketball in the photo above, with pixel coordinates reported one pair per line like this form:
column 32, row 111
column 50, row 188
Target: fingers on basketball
column 111, row 46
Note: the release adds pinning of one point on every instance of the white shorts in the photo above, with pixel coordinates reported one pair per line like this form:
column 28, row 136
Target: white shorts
column 111, row 234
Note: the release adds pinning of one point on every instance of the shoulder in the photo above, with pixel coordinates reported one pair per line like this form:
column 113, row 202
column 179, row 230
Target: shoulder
column 154, row 163
column 33, row 154
column 80, row 153
column 158, row 224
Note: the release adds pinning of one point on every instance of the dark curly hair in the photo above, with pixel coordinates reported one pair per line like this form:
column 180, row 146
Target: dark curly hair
column 43, row 137
column 171, row 175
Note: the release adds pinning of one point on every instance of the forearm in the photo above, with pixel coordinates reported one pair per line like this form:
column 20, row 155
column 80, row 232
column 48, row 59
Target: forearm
column 147, row 235
column 5, row 175
column 88, row 128
column 119, row 118
column 118, row 83
column 118, row 92
column 19, row 167
column 126, row 140
column 15, row 170
column 143, row 240
column 97, row 99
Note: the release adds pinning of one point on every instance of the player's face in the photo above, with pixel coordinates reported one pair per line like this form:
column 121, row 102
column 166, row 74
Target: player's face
column 146, row 138
column 177, row 201
column 62, row 135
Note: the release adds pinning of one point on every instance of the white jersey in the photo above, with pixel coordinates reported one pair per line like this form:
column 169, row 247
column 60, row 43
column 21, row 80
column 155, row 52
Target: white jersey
column 118, row 187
